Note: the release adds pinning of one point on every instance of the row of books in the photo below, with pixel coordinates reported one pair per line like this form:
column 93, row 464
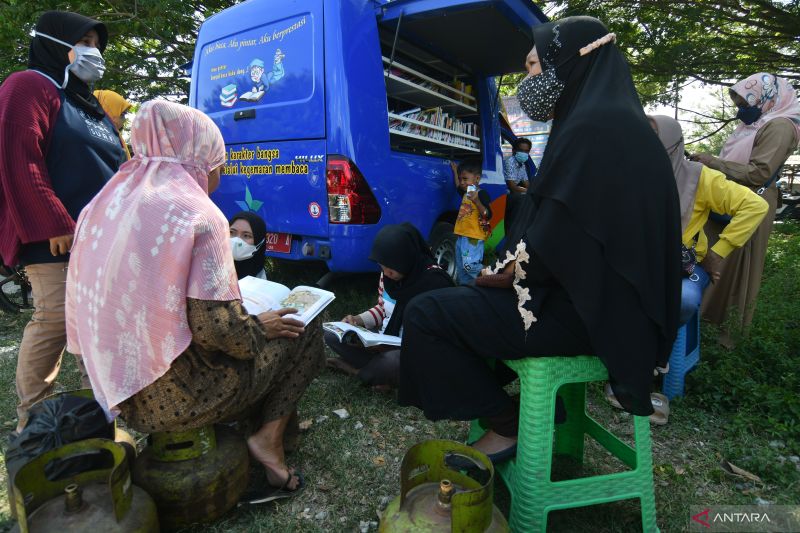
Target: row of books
column 456, row 84
column 436, row 117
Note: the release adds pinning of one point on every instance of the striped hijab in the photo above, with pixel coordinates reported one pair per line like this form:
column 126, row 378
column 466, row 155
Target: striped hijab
column 150, row 239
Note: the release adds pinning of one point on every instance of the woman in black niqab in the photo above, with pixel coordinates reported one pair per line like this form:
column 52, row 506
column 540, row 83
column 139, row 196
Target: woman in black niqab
column 51, row 58
column 593, row 254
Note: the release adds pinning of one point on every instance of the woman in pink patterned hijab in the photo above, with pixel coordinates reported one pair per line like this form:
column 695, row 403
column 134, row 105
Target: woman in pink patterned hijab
column 153, row 302
column 149, row 239
column 766, row 97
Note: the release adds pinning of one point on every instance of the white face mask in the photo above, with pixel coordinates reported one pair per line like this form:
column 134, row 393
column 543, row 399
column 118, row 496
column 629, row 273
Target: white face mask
column 243, row 250
column 89, row 65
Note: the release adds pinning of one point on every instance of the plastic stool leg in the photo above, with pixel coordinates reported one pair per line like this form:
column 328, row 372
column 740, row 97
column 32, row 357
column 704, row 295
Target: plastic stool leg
column 532, row 467
column 673, row 380
column 644, row 465
column 569, row 436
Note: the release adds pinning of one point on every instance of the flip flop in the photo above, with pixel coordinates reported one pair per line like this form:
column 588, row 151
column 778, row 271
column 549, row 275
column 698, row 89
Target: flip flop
column 503, row 455
column 459, row 462
column 661, row 407
column 271, row 493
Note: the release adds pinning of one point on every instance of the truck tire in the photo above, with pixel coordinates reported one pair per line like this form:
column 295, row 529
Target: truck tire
column 443, row 245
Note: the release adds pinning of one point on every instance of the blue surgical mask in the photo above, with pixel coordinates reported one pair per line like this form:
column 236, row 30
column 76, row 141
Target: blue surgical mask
column 89, row 65
column 748, row 114
column 521, row 156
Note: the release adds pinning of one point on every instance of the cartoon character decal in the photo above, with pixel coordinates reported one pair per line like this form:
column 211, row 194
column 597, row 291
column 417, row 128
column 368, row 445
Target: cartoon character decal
column 260, row 79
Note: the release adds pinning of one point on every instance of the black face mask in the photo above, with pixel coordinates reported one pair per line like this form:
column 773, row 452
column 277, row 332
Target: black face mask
column 538, row 95
column 748, row 114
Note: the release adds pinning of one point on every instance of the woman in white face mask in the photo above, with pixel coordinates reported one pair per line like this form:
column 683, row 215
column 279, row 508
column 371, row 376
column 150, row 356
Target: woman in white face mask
column 59, row 149
column 248, row 243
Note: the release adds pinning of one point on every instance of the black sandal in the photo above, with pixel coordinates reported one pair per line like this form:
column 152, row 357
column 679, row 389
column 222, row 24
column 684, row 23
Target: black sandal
column 270, row 493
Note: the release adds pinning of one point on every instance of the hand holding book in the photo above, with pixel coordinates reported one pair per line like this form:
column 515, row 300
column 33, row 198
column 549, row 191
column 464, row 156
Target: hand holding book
column 278, row 325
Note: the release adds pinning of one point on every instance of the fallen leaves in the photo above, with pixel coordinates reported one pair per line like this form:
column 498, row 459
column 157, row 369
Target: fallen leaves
column 734, row 470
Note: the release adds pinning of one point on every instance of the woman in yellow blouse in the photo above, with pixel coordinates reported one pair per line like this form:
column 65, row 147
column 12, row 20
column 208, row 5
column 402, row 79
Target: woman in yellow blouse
column 702, row 190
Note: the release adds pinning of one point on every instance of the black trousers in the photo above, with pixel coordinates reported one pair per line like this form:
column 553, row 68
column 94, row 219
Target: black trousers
column 450, row 334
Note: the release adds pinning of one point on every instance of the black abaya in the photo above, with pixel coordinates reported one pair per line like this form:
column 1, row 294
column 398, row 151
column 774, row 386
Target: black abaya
column 451, row 333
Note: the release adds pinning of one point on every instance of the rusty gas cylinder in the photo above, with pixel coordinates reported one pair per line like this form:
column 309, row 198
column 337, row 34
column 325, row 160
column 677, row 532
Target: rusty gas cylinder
column 119, row 435
column 438, row 497
column 194, row 476
column 97, row 500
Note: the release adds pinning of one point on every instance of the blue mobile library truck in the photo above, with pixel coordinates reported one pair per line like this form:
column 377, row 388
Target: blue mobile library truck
column 341, row 116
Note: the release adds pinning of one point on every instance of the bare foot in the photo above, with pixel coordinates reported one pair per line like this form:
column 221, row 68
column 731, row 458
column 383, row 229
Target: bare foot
column 491, row 442
column 337, row 363
column 278, row 473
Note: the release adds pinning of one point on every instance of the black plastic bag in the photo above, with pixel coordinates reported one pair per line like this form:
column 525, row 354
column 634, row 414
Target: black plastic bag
column 53, row 423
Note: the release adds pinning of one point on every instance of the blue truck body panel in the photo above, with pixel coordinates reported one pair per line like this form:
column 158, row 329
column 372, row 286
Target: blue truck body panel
column 291, row 83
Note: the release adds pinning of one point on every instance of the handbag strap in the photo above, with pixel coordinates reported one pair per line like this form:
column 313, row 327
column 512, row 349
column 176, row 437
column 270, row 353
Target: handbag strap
column 769, row 182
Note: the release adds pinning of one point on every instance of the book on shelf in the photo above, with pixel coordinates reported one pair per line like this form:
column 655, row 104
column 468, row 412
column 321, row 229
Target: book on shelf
column 347, row 332
column 260, row 295
column 436, row 117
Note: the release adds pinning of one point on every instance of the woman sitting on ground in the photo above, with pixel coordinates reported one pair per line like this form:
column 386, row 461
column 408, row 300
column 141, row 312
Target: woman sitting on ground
column 248, row 243
column 153, row 304
column 408, row 268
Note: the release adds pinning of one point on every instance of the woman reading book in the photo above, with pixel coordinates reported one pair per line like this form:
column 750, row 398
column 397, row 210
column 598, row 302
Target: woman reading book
column 408, row 268
column 153, row 303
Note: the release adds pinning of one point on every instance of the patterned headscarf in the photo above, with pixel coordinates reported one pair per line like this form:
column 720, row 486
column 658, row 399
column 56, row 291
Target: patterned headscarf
column 775, row 97
column 150, row 239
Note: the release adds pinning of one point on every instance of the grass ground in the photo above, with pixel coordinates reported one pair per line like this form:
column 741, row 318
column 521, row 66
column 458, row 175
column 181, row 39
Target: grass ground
column 741, row 406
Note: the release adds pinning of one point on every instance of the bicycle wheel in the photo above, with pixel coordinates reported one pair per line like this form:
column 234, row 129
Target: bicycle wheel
column 15, row 291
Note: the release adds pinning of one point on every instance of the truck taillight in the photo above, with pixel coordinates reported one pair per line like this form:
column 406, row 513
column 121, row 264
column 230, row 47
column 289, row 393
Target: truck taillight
column 350, row 200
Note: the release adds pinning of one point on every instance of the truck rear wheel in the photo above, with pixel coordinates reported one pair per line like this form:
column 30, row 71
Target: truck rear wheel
column 443, row 245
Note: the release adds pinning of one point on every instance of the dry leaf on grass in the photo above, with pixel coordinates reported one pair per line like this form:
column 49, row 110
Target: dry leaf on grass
column 734, row 470
column 379, row 460
column 305, row 424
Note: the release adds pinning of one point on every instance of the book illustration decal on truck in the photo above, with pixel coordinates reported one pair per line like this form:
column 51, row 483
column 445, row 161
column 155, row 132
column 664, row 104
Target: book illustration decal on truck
column 257, row 79
column 243, row 69
column 261, row 81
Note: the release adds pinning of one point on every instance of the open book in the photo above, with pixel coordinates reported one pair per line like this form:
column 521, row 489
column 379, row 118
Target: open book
column 260, row 295
column 343, row 330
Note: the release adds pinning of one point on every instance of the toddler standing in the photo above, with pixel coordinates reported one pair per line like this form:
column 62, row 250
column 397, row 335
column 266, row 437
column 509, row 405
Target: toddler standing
column 472, row 223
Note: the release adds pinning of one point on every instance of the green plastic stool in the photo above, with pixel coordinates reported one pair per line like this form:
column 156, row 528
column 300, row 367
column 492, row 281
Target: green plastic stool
column 533, row 494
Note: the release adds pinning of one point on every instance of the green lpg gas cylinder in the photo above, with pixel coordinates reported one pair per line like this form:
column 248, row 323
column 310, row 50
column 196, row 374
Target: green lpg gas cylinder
column 120, row 435
column 435, row 497
column 97, row 500
column 194, row 476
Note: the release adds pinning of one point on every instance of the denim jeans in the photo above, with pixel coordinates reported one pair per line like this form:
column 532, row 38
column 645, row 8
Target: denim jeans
column 469, row 259
column 692, row 293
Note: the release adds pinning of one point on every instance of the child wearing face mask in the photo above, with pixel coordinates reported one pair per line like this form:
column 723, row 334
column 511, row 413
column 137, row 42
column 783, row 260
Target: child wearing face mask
column 515, row 170
column 248, row 243
column 59, row 149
